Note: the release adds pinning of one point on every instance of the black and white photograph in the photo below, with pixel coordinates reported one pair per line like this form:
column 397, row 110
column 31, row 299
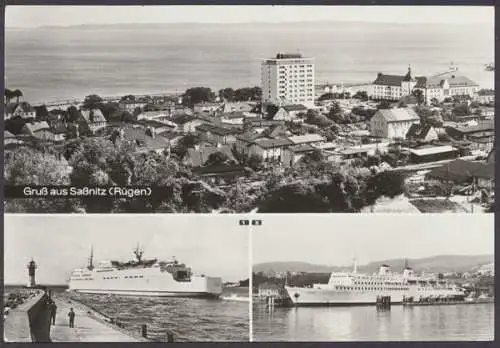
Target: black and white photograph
column 238, row 109
column 374, row 278
column 135, row 278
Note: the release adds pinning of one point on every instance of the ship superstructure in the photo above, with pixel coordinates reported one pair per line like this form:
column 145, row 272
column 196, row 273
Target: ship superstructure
column 353, row 288
column 143, row 277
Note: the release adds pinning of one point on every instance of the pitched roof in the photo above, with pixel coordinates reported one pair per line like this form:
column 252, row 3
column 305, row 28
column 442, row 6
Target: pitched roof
column 154, row 124
column 295, row 107
column 487, row 125
column 236, row 106
column 38, row 126
column 433, row 150
column 418, row 131
column 437, row 81
column 213, row 129
column 398, row 115
column 7, row 134
column 307, row 138
column 93, row 116
column 302, row 148
column 267, row 143
column 139, row 137
column 182, row 119
column 388, row 80
column 234, row 114
column 461, row 170
column 198, row 156
column 248, row 137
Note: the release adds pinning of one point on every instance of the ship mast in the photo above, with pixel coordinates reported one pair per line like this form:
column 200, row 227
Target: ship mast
column 355, row 270
column 138, row 253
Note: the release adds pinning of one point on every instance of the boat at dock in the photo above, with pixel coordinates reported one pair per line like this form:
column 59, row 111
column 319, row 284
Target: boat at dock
column 143, row 277
column 353, row 288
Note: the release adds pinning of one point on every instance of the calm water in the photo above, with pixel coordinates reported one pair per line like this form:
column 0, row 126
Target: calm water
column 460, row 322
column 48, row 64
column 190, row 319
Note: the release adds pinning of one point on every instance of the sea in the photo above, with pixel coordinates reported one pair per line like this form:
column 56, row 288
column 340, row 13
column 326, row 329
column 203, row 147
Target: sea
column 473, row 322
column 57, row 63
column 190, row 319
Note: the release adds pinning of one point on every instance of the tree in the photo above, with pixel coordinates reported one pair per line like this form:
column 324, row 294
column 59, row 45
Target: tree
column 313, row 157
column 186, row 142
column 419, row 95
column 226, row 94
column 110, row 110
column 15, row 124
column 271, row 110
column 255, row 162
column 128, row 98
column 92, row 101
column 326, row 96
column 384, row 104
column 294, row 198
column 197, row 95
column 41, row 112
column 336, row 114
column 218, row 158
column 248, row 93
column 362, row 95
column 8, row 95
column 461, row 110
column 17, row 94
column 385, row 183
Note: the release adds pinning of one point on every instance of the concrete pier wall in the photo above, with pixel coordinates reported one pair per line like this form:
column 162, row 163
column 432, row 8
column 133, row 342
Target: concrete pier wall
column 30, row 322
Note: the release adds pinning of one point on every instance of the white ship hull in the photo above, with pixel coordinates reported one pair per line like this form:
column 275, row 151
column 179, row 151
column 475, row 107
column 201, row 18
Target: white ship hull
column 330, row 297
column 325, row 297
column 144, row 282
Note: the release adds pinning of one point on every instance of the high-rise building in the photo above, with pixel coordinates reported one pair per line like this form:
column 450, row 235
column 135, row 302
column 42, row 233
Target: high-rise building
column 288, row 79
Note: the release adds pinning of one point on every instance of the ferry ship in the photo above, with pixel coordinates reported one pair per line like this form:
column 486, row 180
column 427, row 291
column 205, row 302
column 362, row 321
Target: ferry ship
column 352, row 288
column 142, row 277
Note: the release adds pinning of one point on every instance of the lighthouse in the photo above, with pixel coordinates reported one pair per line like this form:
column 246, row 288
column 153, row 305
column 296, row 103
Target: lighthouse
column 31, row 273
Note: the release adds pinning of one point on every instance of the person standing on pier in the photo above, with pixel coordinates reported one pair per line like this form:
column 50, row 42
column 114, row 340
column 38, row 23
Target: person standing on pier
column 71, row 316
column 53, row 311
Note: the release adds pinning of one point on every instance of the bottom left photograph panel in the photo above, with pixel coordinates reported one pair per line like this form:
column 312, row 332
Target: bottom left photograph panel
column 132, row 278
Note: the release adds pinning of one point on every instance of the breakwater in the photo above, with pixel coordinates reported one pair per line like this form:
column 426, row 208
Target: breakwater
column 28, row 320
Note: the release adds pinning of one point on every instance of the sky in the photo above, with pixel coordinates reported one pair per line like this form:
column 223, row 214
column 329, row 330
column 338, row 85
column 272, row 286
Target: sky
column 36, row 16
column 335, row 240
column 211, row 245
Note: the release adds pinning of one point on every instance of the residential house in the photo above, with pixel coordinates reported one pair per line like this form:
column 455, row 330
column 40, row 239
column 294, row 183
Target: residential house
column 485, row 96
column 234, row 117
column 172, row 138
column 39, row 130
column 270, row 150
column 422, row 133
column 392, row 123
column 59, row 128
column 197, row 156
column 245, row 140
column 231, row 107
column 94, row 119
column 187, row 124
column 259, row 125
column 145, row 140
column 294, row 153
column 159, row 127
column 22, row 109
column 215, row 134
column 290, row 112
column 208, row 108
column 160, row 115
column 131, row 105
column 311, row 139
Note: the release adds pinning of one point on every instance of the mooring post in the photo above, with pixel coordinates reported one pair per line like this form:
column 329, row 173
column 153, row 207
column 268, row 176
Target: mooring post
column 170, row 337
column 144, row 330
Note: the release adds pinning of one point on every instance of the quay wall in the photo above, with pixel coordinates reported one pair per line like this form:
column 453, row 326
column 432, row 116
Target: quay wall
column 30, row 322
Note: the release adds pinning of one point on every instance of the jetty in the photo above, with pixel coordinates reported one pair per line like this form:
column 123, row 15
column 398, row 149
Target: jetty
column 89, row 326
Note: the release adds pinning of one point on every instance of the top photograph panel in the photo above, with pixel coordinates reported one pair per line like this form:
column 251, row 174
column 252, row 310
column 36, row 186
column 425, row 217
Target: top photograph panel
column 238, row 109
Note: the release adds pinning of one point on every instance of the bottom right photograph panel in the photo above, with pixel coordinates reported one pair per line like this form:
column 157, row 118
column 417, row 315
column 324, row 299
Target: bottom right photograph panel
column 373, row 278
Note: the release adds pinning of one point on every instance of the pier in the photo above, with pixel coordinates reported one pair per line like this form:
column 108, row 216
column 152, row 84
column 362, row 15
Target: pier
column 89, row 326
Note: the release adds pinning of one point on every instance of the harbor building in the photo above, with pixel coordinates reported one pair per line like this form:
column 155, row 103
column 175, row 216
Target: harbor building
column 439, row 86
column 288, row 79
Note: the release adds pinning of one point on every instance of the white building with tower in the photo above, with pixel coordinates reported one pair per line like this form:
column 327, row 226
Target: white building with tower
column 288, row 79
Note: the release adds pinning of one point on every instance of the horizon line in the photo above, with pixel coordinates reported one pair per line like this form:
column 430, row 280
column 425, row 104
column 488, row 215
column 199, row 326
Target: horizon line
column 244, row 22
